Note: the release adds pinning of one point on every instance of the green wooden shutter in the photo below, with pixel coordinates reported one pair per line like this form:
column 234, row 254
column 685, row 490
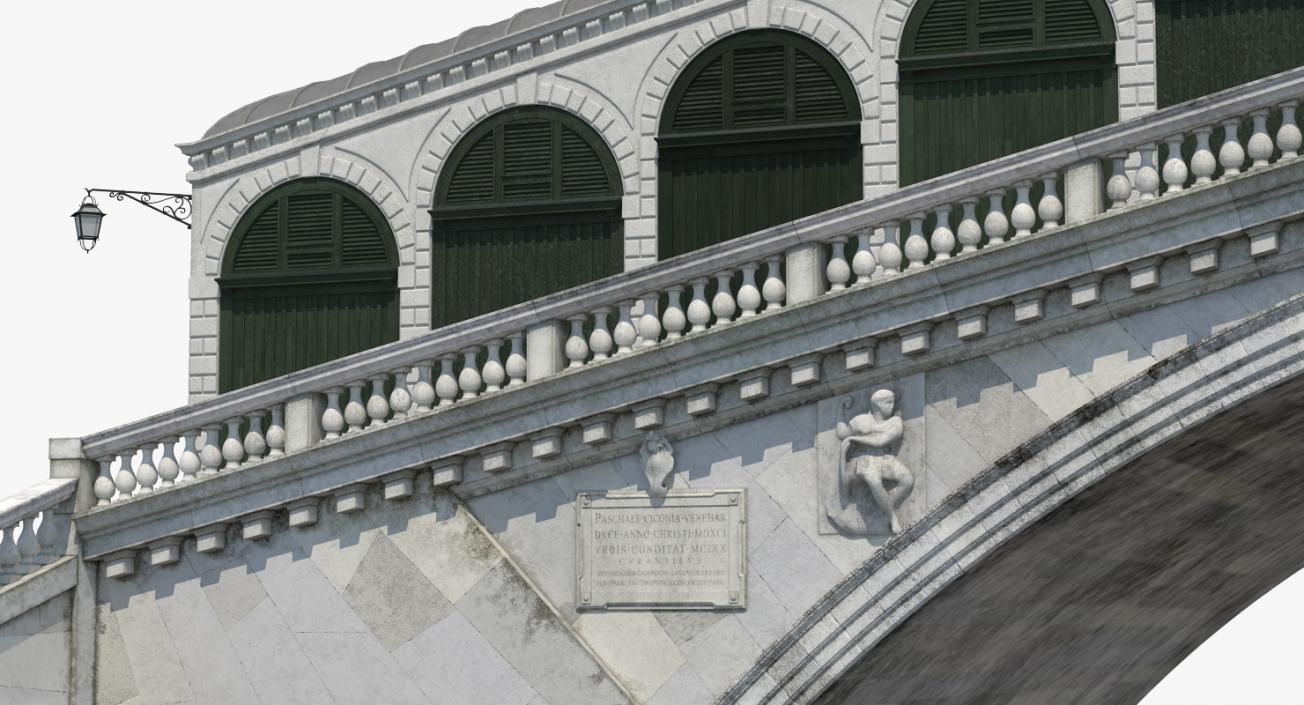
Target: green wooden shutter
column 310, row 277
column 761, row 128
column 542, row 216
column 980, row 79
column 1206, row 46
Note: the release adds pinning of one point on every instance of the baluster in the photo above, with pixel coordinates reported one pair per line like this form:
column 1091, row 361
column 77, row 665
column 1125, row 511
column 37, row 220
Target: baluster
column 722, row 304
column 45, row 533
column 255, row 443
column 889, row 253
column 276, row 432
column 942, row 238
column 916, row 245
column 649, row 326
column 104, row 486
column 773, row 289
column 515, row 366
column 146, row 474
column 8, row 548
column 838, row 270
column 1203, row 163
column 576, row 348
column 400, row 399
column 167, row 465
column 210, row 454
column 332, row 419
column 423, row 392
column 494, row 373
column 1231, row 155
column 126, row 480
column 624, row 334
column 1289, row 138
column 1147, row 177
column 1260, row 145
column 600, row 340
column 28, row 546
column 969, row 233
column 863, row 262
column 1022, row 216
column 673, row 320
column 699, row 312
column 995, row 224
column 469, row 378
column 749, row 297
column 1050, row 207
column 1119, row 187
column 446, row 384
column 377, row 405
column 189, row 460
column 1175, row 172
column 232, row 448
column 355, row 412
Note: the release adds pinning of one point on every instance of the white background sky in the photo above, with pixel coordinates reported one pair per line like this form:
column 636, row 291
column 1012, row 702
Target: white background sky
column 99, row 94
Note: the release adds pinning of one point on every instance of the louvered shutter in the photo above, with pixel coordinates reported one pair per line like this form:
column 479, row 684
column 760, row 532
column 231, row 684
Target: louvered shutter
column 473, row 178
column 818, row 98
column 361, row 242
column 1071, row 21
column 527, row 165
column 310, row 231
column 701, row 107
column 1005, row 23
column 582, row 171
column 760, row 85
column 260, row 249
column 945, row 28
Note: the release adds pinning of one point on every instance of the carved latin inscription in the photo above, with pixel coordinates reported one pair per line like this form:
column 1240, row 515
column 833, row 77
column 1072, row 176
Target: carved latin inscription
column 686, row 550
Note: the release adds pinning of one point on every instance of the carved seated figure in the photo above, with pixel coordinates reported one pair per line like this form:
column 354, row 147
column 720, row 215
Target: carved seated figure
column 869, row 443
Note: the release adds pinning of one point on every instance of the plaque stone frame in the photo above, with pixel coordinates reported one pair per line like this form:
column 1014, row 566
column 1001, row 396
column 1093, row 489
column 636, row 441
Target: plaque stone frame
column 684, row 551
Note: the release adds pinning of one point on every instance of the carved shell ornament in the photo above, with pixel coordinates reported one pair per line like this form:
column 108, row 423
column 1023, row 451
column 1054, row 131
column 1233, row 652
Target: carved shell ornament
column 658, row 463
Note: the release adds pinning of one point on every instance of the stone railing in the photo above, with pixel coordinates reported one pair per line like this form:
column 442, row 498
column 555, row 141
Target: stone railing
column 26, row 544
column 912, row 229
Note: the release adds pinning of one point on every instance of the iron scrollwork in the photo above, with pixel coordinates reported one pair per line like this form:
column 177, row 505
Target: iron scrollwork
column 174, row 205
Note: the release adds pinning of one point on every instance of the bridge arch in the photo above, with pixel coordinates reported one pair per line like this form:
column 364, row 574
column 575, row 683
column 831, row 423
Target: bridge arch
column 1147, row 452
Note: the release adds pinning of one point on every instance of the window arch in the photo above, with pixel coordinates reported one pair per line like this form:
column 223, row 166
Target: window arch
column 980, row 79
column 310, row 275
column 761, row 128
column 528, row 205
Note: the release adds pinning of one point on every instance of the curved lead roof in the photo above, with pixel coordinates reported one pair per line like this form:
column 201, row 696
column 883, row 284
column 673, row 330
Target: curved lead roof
column 424, row 54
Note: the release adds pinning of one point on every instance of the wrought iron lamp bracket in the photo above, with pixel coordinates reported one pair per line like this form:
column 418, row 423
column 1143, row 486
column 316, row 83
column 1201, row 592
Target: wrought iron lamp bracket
column 174, row 205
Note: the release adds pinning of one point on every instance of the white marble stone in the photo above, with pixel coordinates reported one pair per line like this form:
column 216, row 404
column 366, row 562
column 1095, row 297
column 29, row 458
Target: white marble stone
column 274, row 663
column 634, row 646
column 721, row 654
column 454, row 665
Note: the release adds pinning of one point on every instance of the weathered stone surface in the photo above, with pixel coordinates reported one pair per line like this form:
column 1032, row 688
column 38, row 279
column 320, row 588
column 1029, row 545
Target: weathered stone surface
column 720, row 654
column 394, row 599
column 153, row 656
column 356, row 669
column 685, row 686
column 303, row 596
column 115, row 682
column 980, row 402
column 534, row 641
column 682, row 626
column 454, row 665
column 447, row 546
column 634, row 646
column 211, row 667
column 274, row 663
column 794, row 568
column 233, row 593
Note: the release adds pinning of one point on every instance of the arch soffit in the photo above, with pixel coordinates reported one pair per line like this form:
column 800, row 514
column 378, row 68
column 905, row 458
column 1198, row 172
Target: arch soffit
column 837, row 36
column 894, row 14
column 582, row 103
column 368, row 179
column 1029, row 482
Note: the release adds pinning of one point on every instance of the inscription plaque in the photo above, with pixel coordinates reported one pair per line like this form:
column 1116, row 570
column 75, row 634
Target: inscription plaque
column 687, row 550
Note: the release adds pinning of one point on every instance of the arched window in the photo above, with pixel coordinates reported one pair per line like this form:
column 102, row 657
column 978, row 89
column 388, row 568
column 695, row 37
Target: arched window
column 980, row 79
column 762, row 128
column 528, row 205
column 309, row 276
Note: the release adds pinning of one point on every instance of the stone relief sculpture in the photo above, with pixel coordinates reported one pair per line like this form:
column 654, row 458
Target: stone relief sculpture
column 658, row 463
column 867, row 460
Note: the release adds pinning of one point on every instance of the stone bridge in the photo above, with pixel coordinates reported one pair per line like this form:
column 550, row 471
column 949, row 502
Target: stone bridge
column 1087, row 443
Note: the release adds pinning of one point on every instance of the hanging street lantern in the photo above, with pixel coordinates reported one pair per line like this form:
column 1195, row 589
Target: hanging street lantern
column 88, row 218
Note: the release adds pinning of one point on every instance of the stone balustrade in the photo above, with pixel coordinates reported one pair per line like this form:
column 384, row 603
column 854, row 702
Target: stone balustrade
column 34, row 527
column 1025, row 195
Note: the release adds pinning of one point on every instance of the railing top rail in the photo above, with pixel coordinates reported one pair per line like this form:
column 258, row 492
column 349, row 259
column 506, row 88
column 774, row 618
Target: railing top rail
column 892, row 207
column 34, row 499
